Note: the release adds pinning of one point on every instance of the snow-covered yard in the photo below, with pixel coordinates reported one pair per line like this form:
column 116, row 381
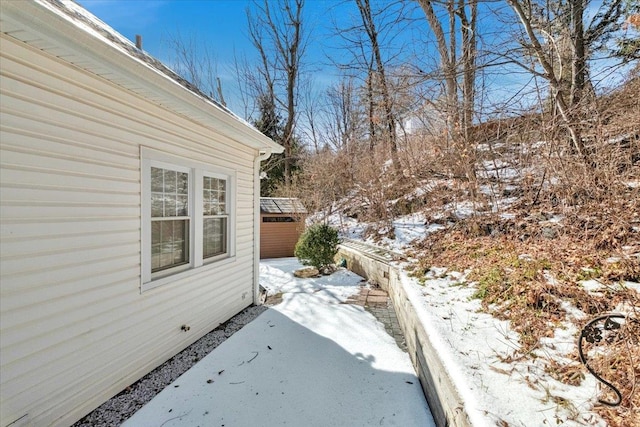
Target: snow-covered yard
column 311, row 360
column 316, row 360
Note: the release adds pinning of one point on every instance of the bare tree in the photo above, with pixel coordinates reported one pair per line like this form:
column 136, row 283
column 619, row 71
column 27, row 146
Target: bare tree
column 372, row 45
column 559, row 95
column 378, row 71
column 544, row 24
column 344, row 115
column 311, row 110
column 276, row 31
column 458, row 67
column 196, row 62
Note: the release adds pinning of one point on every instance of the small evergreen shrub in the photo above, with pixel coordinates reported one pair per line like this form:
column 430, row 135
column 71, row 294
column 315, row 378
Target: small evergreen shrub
column 317, row 246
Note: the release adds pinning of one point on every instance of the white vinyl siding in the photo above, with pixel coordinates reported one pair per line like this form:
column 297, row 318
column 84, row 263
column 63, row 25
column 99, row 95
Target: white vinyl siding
column 75, row 328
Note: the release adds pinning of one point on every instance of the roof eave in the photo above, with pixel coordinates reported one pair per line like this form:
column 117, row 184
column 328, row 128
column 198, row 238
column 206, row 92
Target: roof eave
column 43, row 20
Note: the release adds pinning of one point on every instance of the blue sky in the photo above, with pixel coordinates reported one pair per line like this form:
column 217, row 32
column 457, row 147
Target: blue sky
column 222, row 24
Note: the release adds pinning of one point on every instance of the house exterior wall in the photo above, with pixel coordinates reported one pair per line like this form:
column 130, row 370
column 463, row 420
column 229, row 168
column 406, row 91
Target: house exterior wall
column 76, row 328
column 278, row 239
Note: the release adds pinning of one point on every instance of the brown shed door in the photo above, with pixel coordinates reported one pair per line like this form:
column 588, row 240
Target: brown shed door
column 278, row 236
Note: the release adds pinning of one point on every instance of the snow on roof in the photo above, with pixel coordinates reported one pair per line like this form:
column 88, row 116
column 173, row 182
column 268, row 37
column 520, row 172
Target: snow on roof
column 281, row 205
column 82, row 18
column 86, row 21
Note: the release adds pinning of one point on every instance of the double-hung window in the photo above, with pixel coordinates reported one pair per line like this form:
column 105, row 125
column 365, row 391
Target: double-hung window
column 186, row 216
column 215, row 216
column 170, row 219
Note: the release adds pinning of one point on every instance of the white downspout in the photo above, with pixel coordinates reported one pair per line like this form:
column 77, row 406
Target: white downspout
column 256, row 223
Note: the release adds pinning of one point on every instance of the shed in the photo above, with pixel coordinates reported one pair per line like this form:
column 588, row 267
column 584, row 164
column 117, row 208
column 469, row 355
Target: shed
column 129, row 207
column 281, row 224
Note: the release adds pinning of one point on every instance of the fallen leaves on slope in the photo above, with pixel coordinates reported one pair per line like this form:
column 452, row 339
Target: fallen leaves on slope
column 530, row 279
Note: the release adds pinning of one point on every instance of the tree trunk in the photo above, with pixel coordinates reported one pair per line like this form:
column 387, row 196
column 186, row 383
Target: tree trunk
column 281, row 63
column 459, row 111
column 447, row 60
column 468, row 31
column 371, row 111
column 364, row 7
column 559, row 94
column 579, row 63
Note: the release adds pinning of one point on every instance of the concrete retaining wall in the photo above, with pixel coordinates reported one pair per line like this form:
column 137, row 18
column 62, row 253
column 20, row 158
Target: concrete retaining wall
column 444, row 400
column 366, row 266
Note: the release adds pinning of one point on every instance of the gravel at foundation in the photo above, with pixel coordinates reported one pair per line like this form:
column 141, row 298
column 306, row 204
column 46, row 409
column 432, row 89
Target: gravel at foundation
column 122, row 406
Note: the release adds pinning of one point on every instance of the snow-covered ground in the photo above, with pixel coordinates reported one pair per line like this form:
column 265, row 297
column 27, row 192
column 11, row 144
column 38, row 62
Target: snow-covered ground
column 480, row 351
column 309, row 361
column 475, row 348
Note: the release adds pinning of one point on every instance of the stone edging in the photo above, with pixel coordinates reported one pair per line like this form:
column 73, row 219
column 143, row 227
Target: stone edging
column 445, row 402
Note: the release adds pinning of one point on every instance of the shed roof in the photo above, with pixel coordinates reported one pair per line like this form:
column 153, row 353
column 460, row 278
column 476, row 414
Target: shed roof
column 281, row 205
column 64, row 29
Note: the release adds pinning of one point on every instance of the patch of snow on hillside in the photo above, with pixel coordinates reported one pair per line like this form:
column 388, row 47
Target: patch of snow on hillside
column 410, row 228
column 480, row 353
column 632, row 285
column 498, row 169
column 591, row 285
column 348, row 227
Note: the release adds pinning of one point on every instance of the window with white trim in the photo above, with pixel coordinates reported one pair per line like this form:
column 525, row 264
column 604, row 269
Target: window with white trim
column 215, row 216
column 187, row 216
column 169, row 218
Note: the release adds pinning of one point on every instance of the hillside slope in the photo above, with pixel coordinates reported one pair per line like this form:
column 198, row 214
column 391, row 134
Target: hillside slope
column 542, row 241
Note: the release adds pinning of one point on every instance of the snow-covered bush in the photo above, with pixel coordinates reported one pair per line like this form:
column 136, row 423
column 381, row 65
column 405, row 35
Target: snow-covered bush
column 317, row 246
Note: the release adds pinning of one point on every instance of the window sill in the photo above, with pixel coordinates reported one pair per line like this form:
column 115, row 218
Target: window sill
column 182, row 275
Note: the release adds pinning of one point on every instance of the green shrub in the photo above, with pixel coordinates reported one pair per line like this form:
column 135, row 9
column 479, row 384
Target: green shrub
column 317, row 245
